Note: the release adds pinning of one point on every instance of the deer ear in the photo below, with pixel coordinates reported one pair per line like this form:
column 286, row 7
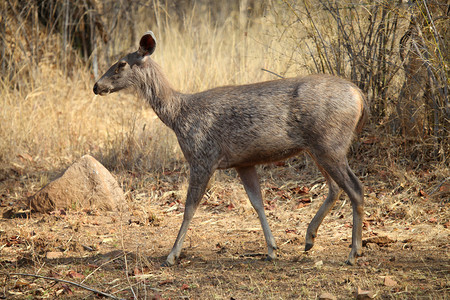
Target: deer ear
column 147, row 44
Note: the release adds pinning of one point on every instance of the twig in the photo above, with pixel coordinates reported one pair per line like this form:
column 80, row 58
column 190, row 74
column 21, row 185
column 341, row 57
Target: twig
column 271, row 72
column 98, row 268
column 69, row 282
column 126, row 262
column 438, row 186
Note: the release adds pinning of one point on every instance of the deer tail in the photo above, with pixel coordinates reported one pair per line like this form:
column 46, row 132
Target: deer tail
column 365, row 112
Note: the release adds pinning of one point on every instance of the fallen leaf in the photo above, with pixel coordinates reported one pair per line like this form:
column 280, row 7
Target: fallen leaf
column 300, row 190
column 270, row 206
column 372, row 246
column 422, row 193
column 379, row 240
column 327, row 296
column 21, row 283
column 73, row 274
column 54, row 274
column 92, row 266
column 156, row 296
column 373, row 195
column 445, row 188
column 318, row 263
column 140, row 271
column 388, row 281
column 301, row 205
column 370, row 140
column 107, row 240
column 167, row 281
column 25, row 156
column 184, row 287
column 305, row 200
column 67, row 289
column 13, row 240
column 39, row 291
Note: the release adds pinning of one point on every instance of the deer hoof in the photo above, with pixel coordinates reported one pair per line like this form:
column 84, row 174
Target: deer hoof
column 167, row 264
column 308, row 246
column 350, row 262
column 352, row 257
column 269, row 258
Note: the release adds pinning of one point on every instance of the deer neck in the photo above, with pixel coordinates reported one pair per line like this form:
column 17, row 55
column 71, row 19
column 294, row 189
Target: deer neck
column 164, row 100
column 166, row 107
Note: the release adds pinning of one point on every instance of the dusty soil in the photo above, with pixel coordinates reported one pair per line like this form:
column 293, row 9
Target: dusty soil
column 406, row 242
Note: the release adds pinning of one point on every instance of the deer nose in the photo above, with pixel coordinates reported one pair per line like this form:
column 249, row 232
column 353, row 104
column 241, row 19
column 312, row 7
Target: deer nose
column 95, row 89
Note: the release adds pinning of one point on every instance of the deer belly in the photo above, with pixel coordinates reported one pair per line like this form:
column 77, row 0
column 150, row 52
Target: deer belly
column 256, row 156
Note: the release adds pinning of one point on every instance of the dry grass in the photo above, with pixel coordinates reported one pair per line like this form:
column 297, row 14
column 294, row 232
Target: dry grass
column 56, row 118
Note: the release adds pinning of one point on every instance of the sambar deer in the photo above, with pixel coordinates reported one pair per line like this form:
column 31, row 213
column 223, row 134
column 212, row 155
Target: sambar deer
column 243, row 126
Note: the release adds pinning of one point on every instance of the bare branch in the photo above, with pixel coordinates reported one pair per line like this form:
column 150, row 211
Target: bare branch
column 68, row 282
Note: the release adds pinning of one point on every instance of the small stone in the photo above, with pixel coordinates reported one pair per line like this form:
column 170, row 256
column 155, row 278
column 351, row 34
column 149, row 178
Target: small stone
column 364, row 295
column 54, row 255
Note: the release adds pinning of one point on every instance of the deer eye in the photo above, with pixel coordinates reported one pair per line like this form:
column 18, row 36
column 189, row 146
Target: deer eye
column 120, row 66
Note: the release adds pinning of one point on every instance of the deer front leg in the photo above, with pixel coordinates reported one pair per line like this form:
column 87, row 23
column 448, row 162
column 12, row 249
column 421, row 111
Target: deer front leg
column 249, row 179
column 197, row 184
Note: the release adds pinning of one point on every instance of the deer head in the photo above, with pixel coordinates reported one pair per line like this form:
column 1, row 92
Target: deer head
column 121, row 74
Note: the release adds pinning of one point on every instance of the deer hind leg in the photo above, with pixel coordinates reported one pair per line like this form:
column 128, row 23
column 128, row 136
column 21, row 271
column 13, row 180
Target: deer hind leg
column 355, row 191
column 341, row 173
column 333, row 194
column 249, row 179
column 197, row 185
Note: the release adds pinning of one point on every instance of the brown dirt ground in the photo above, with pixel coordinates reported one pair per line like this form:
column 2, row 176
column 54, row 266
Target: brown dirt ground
column 406, row 233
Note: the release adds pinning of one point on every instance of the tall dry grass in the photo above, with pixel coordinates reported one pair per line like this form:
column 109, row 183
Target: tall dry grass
column 49, row 115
